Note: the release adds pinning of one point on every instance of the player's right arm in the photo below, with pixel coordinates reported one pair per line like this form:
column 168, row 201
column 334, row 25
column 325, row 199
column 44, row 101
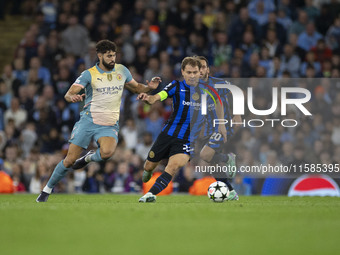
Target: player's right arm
column 72, row 96
column 82, row 81
column 168, row 91
column 148, row 98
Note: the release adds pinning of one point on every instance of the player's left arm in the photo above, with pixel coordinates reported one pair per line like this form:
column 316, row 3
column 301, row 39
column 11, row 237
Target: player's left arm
column 238, row 120
column 220, row 114
column 136, row 87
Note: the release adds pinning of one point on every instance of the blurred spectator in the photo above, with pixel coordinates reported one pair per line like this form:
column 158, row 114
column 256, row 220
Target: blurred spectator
column 321, row 51
column 130, row 134
column 333, row 35
column 154, row 123
column 324, row 20
column 75, row 38
column 19, row 71
column 221, row 50
column 42, row 72
column 287, row 153
column 274, row 25
column 15, row 113
column 144, row 147
column 5, row 95
column 93, row 178
column 284, row 19
column 122, row 179
column 309, row 38
column 248, row 45
column 9, row 78
column 152, row 70
column 310, row 61
column 311, row 10
column 240, row 25
column 272, row 43
column 28, row 138
column 299, row 25
column 290, row 62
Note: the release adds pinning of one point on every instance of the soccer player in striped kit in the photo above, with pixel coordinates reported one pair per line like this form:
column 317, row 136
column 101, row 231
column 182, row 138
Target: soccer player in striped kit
column 213, row 152
column 181, row 130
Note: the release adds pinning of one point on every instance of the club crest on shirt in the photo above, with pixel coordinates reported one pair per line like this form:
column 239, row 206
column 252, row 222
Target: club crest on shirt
column 119, row 77
column 109, row 77
column 151, row 154
column 195, row 96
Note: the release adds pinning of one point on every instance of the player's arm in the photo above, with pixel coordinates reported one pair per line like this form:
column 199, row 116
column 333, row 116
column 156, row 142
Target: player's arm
column 138, row 88
column 220, row 115
column 149, row 99
column 238, row 120
column 168, row 91
column 72, row 96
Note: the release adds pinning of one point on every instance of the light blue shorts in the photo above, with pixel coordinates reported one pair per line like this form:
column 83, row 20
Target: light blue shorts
column 84, row 130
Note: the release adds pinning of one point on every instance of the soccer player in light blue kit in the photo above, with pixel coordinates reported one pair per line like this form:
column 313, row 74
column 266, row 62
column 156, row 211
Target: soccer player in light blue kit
column 103, row 84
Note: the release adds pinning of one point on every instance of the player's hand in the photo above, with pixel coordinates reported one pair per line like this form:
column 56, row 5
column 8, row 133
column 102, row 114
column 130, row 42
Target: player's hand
column 237, row 119
column 223, row 131
column 77, row 98
column 153, row 84
column 145, row 98
column 142, row 96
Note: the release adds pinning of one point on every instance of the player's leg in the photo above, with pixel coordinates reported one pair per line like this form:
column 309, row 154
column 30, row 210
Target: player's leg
column 159, row 150
column 60, row 171
column 175, row 163
column 107, row 139
column 212, row 153
column 149, row 166
column 213, row 156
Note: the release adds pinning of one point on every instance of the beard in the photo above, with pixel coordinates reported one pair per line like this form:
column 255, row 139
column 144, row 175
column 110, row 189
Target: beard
column 205, row 77
column 108, row 65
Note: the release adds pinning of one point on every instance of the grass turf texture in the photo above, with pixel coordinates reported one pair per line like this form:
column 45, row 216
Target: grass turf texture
column 118, row 224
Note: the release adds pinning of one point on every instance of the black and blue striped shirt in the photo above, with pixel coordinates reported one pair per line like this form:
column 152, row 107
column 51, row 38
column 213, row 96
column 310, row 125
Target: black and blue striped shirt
column 211, row 113
column 186, row 119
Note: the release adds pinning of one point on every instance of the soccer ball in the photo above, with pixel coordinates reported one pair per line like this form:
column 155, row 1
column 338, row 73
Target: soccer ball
column 218, row 191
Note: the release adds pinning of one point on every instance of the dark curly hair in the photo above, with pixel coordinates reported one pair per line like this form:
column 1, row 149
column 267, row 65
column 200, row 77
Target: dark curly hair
column 104, row 46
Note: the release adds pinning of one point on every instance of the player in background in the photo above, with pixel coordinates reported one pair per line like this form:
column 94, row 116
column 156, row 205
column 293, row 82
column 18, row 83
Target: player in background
column 212, row 152
column 103, row 84
column 176, row 141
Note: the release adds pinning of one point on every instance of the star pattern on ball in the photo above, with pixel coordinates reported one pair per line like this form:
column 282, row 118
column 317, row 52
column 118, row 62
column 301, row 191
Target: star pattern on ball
column 217, row 187
column 224, row 196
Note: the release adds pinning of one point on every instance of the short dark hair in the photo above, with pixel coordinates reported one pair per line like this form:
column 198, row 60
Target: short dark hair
column 104, row 46
column 190, row 61
column 202, row 58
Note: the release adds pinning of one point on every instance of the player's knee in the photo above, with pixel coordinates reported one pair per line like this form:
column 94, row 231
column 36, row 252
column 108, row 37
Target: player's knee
column 173, row 167
column 106, row 153
column 204, row 156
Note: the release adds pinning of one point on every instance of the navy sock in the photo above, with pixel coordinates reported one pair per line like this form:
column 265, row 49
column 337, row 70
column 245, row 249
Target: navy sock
column 226, row 181
column 161, row 183
column 219, row 157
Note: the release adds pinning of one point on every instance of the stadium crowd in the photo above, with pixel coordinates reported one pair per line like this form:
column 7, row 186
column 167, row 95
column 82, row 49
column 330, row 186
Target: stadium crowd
column 241, row 39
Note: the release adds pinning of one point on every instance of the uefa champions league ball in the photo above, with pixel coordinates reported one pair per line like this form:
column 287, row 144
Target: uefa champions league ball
column 218, row 192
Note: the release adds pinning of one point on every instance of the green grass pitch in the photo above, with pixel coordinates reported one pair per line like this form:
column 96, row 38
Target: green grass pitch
column 178, row 224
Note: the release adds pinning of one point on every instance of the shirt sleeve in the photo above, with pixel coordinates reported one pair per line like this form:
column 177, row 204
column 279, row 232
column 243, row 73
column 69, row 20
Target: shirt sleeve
column 84, row 79
column 170, row 89
column 127, row 74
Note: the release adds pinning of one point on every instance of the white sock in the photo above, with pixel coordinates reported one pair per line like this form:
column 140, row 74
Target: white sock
column 47, row 189
column 88, row 158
